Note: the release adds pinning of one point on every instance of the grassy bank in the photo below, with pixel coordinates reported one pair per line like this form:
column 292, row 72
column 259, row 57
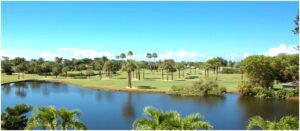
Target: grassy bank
column 152, row 81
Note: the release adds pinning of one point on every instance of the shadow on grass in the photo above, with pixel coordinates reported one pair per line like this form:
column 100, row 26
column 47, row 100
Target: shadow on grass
column 146, row 87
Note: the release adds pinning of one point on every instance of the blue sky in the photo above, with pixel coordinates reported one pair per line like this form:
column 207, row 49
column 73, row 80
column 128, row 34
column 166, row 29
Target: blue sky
column 178, row 30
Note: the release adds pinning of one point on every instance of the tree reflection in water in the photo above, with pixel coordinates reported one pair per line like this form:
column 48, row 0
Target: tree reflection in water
column 128, row 110
column 21, row 89
column 266, row 107
column 6, row 88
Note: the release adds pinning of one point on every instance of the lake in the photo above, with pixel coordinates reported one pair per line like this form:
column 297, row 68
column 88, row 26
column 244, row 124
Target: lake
column 117, row 110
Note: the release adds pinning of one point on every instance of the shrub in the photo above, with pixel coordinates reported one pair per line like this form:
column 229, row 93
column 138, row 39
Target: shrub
column 245, row 88
column 79, row 77
column 199, row 88
column 229, row 70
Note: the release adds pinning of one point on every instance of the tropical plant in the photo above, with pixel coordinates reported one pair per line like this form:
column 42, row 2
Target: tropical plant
column 129, row 54
column 156, row 119
column 52, row 119
column 15, row 118
column 285, row 123
column 128, row 67
column 65, row 70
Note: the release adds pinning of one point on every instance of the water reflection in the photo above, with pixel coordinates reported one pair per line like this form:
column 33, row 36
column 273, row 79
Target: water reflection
column 267, row 107
column 118, row 110
column 128, row 110
column 21, row 89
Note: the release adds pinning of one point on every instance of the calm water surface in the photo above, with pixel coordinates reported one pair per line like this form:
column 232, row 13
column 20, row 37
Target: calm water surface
column 118, row 110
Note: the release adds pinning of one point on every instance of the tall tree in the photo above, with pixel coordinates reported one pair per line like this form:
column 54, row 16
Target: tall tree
column 149, row 56
column 65, row 71
column 128, row 67
column 122, row 56
column 99, row 66
column 129, row 54
column 259, row 70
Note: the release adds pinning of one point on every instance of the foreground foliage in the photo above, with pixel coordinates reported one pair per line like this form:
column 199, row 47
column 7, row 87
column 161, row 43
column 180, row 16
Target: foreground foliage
column 199, row 88
column 171, row 120
column 52, row 119
column 285, row 123
column 15, row 118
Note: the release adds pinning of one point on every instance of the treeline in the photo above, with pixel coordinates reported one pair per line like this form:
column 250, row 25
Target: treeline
column 108, row 67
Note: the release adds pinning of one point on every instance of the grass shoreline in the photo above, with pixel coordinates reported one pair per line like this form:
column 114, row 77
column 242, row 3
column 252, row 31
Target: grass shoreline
column 101, row 87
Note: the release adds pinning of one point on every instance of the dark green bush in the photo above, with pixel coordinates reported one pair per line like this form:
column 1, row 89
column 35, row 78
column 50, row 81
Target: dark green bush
column 199, row 88
column 79, row 77
column 230, row 70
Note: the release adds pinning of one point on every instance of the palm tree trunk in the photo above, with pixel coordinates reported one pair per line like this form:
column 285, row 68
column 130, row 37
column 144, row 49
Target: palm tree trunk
column 162, row 74
column 18, row 75
column 216, row 74
column 178, row 73
column 143, row 74
column 132, row 74
column 167, row 74
column 66, row 74
column 129, row 79
column 139, row 75
column 100, row 75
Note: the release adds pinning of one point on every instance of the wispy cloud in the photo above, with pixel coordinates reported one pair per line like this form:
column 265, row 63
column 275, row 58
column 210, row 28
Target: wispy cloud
column 82, row 53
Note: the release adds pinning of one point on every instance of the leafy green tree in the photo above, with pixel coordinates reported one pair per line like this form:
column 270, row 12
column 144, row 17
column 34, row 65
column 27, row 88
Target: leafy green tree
column 108, row 67
column 89, row 72
column 81, row 67
column 169, row 67
column 65, row 70
column 128, row 67
column 285, row 123
column 6, row 66
column 122, row 56
column 296, row 29
column 52, row 119
column 46, row 68
column 216, row 63
column 179, row 66
column 56, row 70
column 130, row 54
column 15, row 118
column 259, row 70
column 149, row 56
column 99, row 66
column 171, row 120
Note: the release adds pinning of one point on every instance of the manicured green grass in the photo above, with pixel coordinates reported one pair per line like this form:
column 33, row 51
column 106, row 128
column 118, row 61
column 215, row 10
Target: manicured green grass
column 152, row 81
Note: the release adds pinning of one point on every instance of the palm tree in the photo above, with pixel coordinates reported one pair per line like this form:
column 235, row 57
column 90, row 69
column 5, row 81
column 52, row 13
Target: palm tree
column 117, row 57
column 51, row 119
column 43, row 117
column 179, row 66
column 285, row 123
column 191, row 122
column 65, row 70
column 171, row 120
column 129, row 54
column 99, row 66
column 129, row 66
column 122, row 56
column 69, row 119
column 149, row 56
column 15, row 118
